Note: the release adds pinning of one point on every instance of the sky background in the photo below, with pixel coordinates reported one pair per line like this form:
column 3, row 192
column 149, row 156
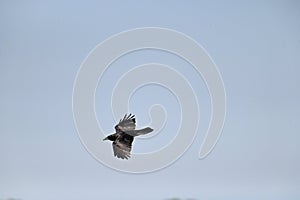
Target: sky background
column 256, row 46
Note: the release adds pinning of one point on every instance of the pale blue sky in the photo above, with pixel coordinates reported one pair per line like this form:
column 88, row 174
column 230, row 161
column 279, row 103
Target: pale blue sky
column 256, row 46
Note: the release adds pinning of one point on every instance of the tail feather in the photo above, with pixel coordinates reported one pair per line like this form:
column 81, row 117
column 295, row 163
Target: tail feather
column 143, row 131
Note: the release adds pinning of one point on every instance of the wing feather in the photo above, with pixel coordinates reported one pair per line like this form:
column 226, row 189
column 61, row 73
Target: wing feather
column 122, row 146
column 126, row 124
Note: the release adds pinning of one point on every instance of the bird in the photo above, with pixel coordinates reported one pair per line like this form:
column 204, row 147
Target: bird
column 124, row 136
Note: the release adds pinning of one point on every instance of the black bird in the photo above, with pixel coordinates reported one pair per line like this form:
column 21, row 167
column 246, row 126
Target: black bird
column 125, row 133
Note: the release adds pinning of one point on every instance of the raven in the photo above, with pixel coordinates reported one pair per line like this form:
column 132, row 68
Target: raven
column 125, row 133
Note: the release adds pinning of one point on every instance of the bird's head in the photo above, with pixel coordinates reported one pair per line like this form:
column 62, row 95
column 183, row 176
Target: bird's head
column 112, row 137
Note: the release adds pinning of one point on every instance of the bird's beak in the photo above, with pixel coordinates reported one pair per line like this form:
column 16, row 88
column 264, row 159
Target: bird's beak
column 105, row 139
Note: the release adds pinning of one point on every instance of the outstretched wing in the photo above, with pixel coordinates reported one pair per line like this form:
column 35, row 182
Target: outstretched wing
column 122, row 146
column 126, row 124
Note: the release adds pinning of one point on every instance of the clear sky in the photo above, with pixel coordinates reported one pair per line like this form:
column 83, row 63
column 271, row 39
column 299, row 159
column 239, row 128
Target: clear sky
column 256, row 46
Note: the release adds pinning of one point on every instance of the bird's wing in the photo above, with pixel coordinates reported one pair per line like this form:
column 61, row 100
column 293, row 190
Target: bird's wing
column 122, row 146
column 126, row 124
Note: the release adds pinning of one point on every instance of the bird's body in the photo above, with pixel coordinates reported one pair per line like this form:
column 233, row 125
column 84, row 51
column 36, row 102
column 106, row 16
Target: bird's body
column 124, row 136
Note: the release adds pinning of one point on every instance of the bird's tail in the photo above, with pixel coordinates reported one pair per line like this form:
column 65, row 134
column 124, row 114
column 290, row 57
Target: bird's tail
column 143, row 131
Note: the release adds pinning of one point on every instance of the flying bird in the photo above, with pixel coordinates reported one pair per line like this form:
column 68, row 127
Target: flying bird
column 124, row 136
